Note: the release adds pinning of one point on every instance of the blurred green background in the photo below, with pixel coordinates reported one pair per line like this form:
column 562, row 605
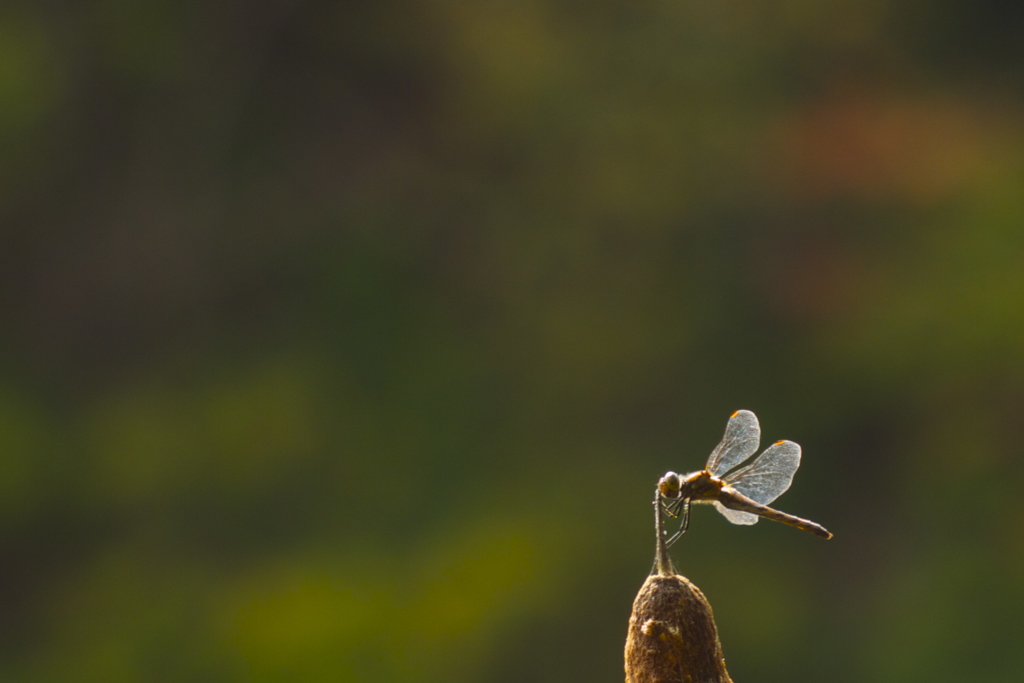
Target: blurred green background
column 347, row 341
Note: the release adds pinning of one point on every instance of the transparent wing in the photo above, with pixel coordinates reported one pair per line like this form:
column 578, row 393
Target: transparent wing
column 737, row 516
column 742, row 437
column 768, row 477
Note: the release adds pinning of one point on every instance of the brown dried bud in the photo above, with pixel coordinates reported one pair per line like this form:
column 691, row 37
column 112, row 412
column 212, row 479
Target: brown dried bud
column 672, row 635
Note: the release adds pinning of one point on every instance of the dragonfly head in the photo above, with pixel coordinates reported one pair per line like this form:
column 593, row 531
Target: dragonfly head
column 668, row 485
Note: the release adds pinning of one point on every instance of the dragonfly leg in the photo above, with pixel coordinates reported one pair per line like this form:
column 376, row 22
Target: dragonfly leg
column 672, row 507
column 683, row 510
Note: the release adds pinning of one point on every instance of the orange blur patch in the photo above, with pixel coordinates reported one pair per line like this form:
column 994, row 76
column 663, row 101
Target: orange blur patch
column 862, row 142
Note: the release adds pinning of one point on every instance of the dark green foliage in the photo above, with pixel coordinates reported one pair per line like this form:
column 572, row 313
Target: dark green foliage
column 347, row 341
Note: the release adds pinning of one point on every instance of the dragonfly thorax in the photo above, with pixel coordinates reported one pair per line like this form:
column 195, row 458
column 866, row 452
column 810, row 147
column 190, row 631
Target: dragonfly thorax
column 699, row 486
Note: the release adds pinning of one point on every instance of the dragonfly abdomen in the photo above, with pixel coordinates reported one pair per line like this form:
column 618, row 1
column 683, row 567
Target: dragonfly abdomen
column 734, row 500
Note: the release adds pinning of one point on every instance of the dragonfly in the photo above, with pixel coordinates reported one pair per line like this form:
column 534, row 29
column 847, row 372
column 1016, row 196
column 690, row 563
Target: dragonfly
column 741, row 495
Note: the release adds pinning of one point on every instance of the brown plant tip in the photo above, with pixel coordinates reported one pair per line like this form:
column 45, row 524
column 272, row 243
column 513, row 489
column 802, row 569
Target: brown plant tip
column 672, row 635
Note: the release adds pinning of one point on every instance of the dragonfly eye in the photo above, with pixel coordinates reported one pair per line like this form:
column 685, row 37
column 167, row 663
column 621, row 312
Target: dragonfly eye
column 668, row 485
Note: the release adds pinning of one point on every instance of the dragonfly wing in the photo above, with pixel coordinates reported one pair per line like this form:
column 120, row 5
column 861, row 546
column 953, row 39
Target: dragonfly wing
column 736, row 516
column 770, row 475
column 742, row 437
